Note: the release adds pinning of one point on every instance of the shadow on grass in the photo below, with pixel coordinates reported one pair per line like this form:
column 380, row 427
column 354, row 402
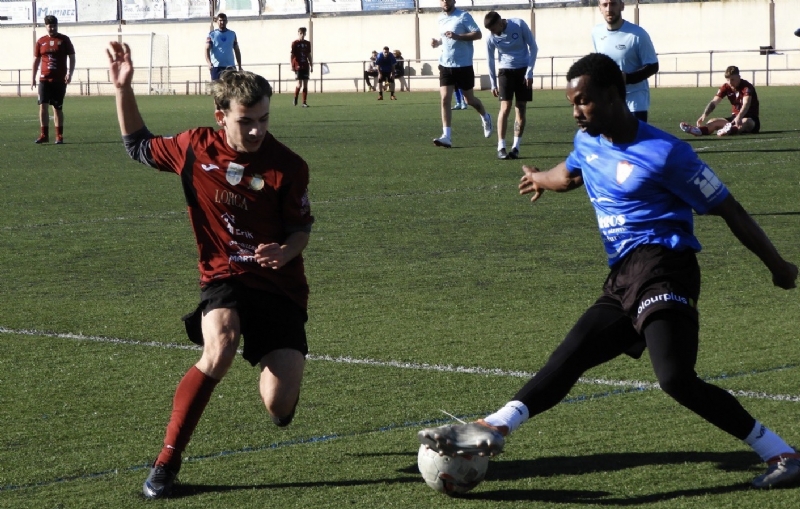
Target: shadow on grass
column 191, row 490
column 598, row 463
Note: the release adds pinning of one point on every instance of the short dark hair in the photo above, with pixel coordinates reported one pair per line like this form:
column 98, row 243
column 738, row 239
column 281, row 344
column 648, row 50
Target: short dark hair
column 302, row 29
column 491, row 18
column 603, row 71
column 220, row 16
column 730, row 71
column 245, row 87
column 50, row 20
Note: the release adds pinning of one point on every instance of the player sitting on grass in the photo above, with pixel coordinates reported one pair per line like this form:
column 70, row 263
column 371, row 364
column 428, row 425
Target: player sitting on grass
column 744, row 109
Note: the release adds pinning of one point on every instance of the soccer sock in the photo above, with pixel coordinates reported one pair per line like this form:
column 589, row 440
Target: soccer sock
column 305, row 95
column 501, row 144
column 733, row 130
column 704, row 130
column 44, row 131
column 296, row 92
column 447, row 131
column 191, row 397
column 516, row 142
column 59, row 131
column 766, row 443
column 511, row 415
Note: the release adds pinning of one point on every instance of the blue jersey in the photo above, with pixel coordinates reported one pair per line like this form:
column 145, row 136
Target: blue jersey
column 222, row 48
column 386, row 63
column 631, row 48
column 516, row 49
column 644, row 192
column 456, row 53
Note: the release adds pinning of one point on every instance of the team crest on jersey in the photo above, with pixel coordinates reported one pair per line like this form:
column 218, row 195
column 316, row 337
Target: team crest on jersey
column 52, row 43
column 234, row 173
column 257, row 183
column 624, row 169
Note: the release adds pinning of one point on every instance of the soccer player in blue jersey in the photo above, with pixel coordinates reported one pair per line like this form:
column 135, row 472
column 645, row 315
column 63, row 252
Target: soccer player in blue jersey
column 644, row 185
column 457, row 31
column 516, row 49
column 631, row 48
column 222, row 48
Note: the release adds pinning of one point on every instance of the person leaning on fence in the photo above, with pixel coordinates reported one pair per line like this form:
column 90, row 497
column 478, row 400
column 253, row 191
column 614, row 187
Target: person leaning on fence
column 50, row 55
column 744, row 109
column 372, row 71
column 222, row 48
column 247, row 197
column 400, row 70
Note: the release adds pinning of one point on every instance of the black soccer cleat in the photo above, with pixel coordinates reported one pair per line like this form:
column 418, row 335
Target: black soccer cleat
column 159, row 483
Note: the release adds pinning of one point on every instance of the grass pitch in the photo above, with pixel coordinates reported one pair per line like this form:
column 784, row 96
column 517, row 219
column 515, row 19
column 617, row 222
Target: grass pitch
column 434, row 286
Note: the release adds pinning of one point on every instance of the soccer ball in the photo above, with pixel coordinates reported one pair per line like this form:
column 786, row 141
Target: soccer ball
column 451, row 474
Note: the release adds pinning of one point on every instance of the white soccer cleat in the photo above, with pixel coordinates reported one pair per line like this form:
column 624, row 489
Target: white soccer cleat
column 487, row 125
column 782, row 471
column 444, row 141
column 726, row 129
column 463, row 439
column 691, row 129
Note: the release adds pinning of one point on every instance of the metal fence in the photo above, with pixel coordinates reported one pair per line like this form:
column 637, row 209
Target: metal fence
column 695, row 69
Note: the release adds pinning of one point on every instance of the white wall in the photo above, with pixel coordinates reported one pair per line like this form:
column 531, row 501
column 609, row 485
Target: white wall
column 740, row 25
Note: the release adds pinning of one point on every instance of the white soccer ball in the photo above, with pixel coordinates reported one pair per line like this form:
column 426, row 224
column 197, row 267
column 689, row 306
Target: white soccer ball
column 451, row 474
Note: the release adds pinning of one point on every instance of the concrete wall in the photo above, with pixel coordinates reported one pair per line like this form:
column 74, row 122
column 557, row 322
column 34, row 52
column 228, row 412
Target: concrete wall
column 733, row 29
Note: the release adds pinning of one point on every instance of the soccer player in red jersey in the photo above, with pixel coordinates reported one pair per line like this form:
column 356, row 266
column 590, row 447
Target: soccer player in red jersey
column 744, row 109
column 248, row 204
column 301, row 64
column 52, row 51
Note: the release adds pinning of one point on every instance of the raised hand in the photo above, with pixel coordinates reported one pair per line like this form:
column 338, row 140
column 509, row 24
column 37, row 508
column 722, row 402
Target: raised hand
column 120, row 66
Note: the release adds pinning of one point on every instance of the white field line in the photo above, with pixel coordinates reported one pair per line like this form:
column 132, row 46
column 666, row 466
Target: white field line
column 441, row 368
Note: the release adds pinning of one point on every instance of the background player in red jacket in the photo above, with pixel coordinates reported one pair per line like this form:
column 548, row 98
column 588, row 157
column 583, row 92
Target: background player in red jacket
column 301, row 64
column 52, row 51
column 744, row 109
column 248, row 204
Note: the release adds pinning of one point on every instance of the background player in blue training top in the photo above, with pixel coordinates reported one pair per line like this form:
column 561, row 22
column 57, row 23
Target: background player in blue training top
column 644, row 184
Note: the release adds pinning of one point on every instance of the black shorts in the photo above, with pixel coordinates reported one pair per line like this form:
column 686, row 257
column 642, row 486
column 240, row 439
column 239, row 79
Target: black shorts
column 386, row 77
column 52, row 93
column 756, row 128
column 268, row 321
column 302, row 74
column 511, row 84
column 459, row 77
column 652, row 278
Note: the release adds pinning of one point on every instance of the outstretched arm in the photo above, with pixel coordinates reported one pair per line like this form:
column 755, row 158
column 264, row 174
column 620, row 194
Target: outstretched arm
column 744, row 227
column 121, row 73
column 556, row 179
column 709, row 108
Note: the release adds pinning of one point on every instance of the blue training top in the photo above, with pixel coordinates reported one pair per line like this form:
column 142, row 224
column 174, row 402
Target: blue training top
column 644, row 192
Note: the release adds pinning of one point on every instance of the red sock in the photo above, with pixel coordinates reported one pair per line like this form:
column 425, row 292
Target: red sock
column 44, row 131
column 191, row 397
column 733, row 130
column 704, row 130
column 59, row 131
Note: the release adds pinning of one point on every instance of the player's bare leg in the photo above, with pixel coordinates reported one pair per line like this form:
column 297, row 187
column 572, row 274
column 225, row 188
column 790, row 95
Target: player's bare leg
column 281, row 376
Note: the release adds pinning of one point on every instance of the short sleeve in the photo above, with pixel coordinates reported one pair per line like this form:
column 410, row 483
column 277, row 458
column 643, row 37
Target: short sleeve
column 692, row 180
column 169, row 152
